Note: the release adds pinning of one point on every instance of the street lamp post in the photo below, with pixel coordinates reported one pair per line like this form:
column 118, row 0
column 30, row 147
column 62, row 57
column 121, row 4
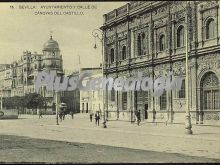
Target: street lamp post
column 57, row 107
column 188, row 125
column 96, row 34
column 1, row 97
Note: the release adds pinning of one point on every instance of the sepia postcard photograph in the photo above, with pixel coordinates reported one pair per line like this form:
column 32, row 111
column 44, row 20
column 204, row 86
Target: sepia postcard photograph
column 109, row 82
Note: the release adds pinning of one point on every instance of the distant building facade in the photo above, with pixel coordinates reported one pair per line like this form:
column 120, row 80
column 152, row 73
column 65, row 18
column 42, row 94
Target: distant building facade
column 71, row 98
column 149, row 37
column 91, row 100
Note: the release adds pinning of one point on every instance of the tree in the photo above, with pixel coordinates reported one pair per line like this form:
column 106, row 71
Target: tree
column 34, row 100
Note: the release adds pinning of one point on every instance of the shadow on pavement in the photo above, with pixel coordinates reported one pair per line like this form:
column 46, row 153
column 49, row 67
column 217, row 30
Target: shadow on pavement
column 25, row 149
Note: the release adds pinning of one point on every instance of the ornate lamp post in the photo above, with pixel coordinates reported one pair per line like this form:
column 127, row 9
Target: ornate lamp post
column 99, row 34
column 188, row 125
column 56, row 92
column 1, row 96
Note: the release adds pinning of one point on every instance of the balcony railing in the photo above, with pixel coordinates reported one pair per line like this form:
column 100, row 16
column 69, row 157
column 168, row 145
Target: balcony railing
column 123, row 10
column 110, row 16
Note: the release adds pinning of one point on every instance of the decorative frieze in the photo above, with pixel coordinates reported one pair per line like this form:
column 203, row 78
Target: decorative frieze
column 177, row 6
column 211, row 61
column 110, row 39
column 122, row 26
column 180, row 15
column 179, row 68
column 161, row 22
column 160, row 11
column 210, row 13
column 122, row 35
column 212, row 116
column 161, row 70
column 208, row 5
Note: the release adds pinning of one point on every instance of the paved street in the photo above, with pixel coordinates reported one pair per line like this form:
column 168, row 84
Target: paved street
column 164, row 140
column 23, row 149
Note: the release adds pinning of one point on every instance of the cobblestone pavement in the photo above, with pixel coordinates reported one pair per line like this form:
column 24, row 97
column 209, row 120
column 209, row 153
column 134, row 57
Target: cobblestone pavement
column 205, row 142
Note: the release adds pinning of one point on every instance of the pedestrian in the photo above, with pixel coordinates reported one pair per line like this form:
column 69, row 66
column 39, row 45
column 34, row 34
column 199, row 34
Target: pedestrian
column 40, row 114
column 98, row 118
column 72, row 114
column 64, row 113
column 60, row 116
column 91, row 114
column 138, row 117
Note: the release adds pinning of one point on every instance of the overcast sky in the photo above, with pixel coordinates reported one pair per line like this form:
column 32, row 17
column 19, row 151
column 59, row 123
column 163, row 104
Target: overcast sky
column 21, row 29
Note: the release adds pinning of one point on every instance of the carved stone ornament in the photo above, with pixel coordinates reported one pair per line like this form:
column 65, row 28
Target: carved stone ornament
column 160, row 23
column 160, row 11
column 208, row 5
column 122, row 25
column 122, row 35
column 110, row 39
column 209, row 61
column 217, row 64
column 208, row 13
column 176, row 6
column 180, row 14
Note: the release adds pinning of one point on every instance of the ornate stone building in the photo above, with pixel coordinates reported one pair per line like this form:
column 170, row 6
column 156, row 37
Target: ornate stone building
column 18, row 78
column 151, row 37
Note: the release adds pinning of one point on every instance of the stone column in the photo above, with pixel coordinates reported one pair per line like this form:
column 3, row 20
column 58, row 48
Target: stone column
column 132, row 43
column 200, row 30
column 117, row 105
column 129, row 105
column 217, row 23
column 199, row 109
column 132, row 105
column 193, row 86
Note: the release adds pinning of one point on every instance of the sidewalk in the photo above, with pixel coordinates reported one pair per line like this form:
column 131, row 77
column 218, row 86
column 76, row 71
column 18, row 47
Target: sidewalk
column 148, row 136
column 158, row 129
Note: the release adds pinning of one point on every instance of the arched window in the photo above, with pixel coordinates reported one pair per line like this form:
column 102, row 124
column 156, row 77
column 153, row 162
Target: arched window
column 123, row 52
column 180, row 36
column 139, row 45
column 162, row 43
column 210, row 92
column 210, row 28
column 112, row 55
column 124, row 100
column 112, row 94
column 182, row 92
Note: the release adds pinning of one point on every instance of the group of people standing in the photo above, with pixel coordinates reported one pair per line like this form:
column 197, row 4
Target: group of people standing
column 97, row 117
column 63, row 113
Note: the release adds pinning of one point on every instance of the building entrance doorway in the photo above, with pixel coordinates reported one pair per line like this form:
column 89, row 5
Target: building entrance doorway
column 145, row 111
column 210, row 94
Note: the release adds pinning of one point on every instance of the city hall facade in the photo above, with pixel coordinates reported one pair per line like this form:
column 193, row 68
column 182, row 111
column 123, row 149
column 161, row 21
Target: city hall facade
column 150, row 37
